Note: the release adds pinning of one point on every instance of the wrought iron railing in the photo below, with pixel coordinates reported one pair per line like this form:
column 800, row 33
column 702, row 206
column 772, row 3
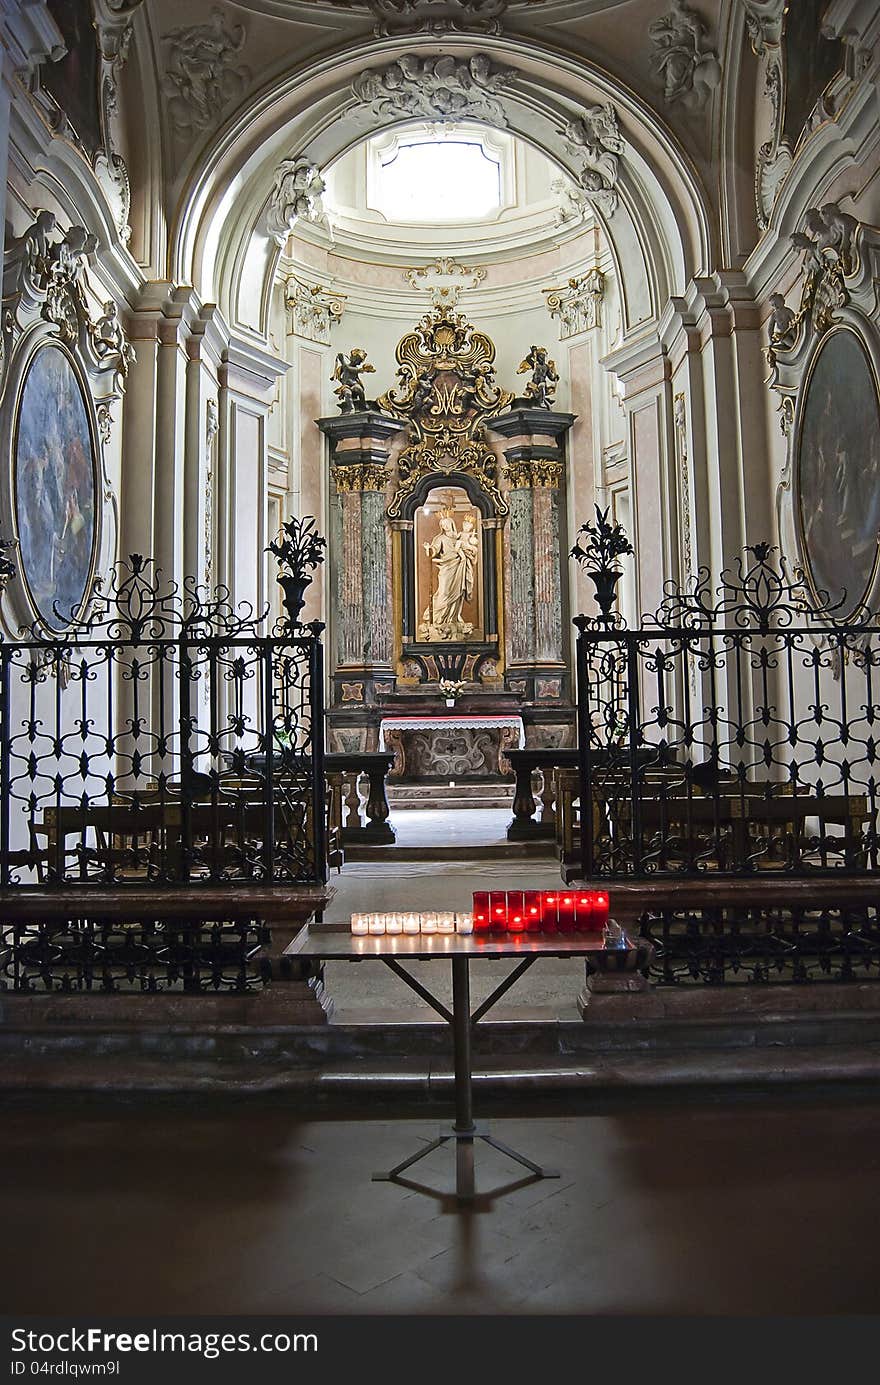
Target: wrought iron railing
column 168, row 738
column 735, row 736
column 165, row 746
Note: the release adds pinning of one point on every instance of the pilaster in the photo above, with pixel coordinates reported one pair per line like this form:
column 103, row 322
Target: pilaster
column 534, row 448
column 360, row 577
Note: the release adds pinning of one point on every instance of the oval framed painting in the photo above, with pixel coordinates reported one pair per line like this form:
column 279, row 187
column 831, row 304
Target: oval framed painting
column 55, row 470
column 837, row 472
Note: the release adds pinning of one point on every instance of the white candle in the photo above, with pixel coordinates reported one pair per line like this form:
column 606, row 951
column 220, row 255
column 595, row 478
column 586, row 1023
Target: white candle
column 393, row 923
column 410, row 923
column 359, row 924
column 429, row 923
column 464, row 923
column 376, row 924
column 446, row 923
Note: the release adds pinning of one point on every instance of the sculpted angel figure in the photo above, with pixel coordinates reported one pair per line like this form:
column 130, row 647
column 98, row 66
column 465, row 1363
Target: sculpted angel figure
column 783, row 323
column 826, row 229
column 109, row 338
column 542, row 387
column 422, row 391
column 348, row 371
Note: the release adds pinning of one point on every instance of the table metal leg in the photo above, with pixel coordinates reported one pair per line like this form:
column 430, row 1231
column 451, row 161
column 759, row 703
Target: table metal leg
column 464, row 1132
column 461, row 1038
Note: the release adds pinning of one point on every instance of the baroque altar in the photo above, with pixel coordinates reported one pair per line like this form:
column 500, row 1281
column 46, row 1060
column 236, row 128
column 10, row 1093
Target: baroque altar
column 447, row 543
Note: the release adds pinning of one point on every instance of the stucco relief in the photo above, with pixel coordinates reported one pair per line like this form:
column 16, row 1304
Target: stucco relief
column 687, row 67
column 202, row 75
column 594, row 138
column 313, row 309
column 437, row 16
column 443, row 88
column 578, row 304
column 296, row 196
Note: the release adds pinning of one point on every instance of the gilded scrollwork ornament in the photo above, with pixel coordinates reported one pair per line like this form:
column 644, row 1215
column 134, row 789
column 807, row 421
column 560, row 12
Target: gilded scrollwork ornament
column 446, row 393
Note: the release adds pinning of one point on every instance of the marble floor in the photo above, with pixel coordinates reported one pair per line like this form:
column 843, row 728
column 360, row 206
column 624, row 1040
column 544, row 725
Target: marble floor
column 753, row 1207
column 462, row 827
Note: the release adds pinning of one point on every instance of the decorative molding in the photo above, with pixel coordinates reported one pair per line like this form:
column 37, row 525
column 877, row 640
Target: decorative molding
column 594, row 137
column 437, row 16
column 360, row 476
column 679, row 410
column 212, row 428
column 774, row 157
column 113, row 21
column 436, row 89
column 534, row 473
column 764, row 23
column 577, row 305
column 688, row 69
column 202, row 77
column 840, row 274
column 573, row 201
column 45, row 277
column 828, row 244
column 444, row 267
column 45, row 303
column 295, row 196
column 445, row 393
column 313, row 309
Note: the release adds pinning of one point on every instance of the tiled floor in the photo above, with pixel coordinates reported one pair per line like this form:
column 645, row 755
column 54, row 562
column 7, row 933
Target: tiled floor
column 745, row 1208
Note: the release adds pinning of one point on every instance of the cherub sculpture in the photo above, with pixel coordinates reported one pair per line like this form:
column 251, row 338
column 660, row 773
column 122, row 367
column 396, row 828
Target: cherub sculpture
column 541, row 389
column 348, row 371
column 109, row 339
column 783, row 323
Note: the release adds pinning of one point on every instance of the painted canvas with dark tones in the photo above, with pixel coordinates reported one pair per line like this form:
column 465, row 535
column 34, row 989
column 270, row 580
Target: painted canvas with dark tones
column 54, row 487
column 73, row 81
column 838, row 471
column 810, row 63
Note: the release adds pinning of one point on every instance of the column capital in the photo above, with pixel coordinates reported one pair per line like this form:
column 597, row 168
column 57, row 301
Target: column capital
column 360, row 476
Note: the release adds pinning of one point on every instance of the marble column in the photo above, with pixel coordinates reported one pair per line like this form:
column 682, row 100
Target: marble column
column 362, row 638
column 535, row 631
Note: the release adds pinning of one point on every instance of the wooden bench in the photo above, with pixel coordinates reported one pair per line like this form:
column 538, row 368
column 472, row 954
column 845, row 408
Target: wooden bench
column 764, row 823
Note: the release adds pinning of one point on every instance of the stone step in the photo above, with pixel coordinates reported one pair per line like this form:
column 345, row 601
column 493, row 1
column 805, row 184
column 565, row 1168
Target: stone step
column 414, row 1081
column 492, row 851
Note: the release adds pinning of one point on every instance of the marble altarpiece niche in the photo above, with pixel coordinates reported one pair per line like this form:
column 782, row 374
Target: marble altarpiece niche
column 445, row 465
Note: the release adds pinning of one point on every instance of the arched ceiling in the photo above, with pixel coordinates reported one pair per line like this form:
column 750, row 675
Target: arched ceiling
column 657, row 222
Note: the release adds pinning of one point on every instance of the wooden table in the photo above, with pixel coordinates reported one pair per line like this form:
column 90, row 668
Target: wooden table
column 328, row 942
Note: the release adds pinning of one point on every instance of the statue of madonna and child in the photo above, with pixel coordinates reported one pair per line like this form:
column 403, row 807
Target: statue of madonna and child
column 455, row 555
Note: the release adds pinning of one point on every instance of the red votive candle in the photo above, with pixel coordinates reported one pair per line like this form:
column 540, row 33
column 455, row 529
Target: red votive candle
column 533, row 911
column 516, row 911
column 480, row 902
column 583, row 911
column 566, row 913
column 498, row 910
column 600, row 910
column 549, row 913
